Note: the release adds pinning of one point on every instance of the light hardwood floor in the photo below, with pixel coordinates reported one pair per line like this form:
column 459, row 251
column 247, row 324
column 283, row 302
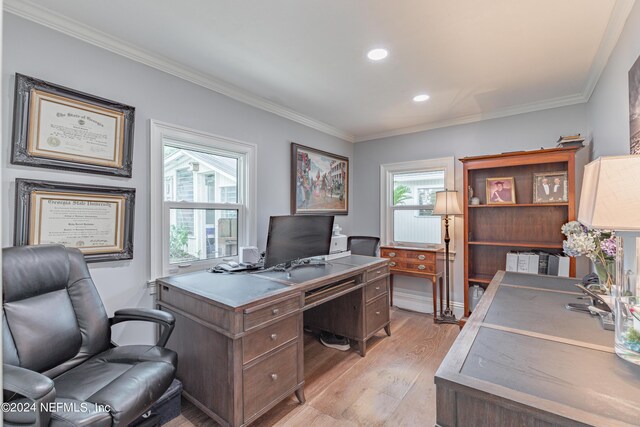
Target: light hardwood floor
column 391, row 386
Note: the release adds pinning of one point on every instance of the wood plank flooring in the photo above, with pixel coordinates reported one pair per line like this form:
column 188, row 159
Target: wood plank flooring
column 391, row 386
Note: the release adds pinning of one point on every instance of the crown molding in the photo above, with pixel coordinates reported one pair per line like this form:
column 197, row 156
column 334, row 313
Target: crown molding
column 78, row 30
column 58, row 22
column 612, row 33
column 562, row 101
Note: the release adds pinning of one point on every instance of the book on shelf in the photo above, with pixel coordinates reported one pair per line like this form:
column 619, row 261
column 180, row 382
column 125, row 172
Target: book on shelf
column 512, row 261
column 571, row 141
column 538, row 262
column 543, row 262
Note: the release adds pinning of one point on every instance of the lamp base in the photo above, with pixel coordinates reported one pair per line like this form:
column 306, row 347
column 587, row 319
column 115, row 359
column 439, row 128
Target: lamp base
column 447, row 317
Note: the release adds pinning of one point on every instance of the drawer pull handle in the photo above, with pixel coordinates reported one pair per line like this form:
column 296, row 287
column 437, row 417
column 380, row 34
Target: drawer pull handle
column 392, row 264
column 378, row 271
column 377, row 313
column 421, row 267
column 377, row 288
column 421, row 257
column 392, row 254
column 275, row 311
column 274, row 377
column 274, row 337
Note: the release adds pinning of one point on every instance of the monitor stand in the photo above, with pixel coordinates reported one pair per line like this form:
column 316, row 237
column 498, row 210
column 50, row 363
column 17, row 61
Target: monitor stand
column 300, row 263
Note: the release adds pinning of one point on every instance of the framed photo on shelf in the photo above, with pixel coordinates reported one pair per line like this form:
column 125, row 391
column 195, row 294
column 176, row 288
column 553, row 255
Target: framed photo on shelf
column 550, row 187
column 501, row 191
column 97, row 220
column 319, row 182
column 58, row 127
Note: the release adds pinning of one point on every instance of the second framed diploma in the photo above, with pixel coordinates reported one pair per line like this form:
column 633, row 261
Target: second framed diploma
column 58, row 127
column 96, row 220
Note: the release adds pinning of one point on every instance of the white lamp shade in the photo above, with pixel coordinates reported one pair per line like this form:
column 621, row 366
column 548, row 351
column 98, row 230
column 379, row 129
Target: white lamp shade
column 447, row 203
column 610, row 197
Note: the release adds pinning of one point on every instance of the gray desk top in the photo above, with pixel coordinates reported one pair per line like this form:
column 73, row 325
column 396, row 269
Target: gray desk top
column 237, row 290
column 521, row 345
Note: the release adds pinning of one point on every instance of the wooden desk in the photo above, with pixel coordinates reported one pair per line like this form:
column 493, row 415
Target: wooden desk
column 416, row 262
column 239, row 337
column 523, row 359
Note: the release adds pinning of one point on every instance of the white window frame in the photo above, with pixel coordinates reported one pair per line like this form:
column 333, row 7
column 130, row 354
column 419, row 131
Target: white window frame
column 159, row 209
column 387, row 171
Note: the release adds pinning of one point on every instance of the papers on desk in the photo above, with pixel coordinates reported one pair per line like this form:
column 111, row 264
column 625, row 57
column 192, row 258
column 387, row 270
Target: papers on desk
column 538, row 262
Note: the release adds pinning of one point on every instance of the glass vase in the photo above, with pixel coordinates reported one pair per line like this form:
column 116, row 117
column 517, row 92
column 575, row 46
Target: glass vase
column 627, row 319
column 606, row 273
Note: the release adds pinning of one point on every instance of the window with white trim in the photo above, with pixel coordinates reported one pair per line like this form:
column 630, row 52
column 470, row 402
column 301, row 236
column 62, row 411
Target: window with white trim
column 408, row 195
column 206, row 204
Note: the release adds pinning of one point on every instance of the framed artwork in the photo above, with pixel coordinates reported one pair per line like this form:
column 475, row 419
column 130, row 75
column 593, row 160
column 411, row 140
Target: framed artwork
column 501, row 191
column 319, row 182
column 58, row 127
column 97, row 220
column 634, row 107
column 550, row 187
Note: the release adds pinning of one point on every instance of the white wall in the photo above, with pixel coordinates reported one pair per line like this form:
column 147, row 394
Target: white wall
column 608, row 108
column 37, row 51
column 522, row 132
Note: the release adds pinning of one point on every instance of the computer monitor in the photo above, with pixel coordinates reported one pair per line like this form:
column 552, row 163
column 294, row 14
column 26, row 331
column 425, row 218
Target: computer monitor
column 297, row 237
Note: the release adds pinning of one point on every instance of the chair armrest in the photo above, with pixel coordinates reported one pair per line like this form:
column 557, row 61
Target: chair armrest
column 163, row 318
column 32, row 385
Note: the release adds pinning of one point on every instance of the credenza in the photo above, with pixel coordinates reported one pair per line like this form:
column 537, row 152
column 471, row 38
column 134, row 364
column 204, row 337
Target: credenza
column 239, row 337
column 523, row 359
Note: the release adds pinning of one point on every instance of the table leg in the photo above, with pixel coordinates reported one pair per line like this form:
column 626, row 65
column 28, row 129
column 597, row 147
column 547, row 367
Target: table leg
column 441, row 311
column 435, row 300
column 300, row 395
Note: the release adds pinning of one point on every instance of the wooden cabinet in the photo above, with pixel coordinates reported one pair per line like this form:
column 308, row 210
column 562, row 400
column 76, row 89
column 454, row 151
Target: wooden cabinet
column 491, row 231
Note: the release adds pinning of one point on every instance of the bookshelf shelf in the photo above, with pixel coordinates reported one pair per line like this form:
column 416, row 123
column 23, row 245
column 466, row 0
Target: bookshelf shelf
column 520, row 205
column 533, row 245
column 491, row 231
column 486, row 279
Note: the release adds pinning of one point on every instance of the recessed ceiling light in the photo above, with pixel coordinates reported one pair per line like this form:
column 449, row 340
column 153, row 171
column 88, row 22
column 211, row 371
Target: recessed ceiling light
column 377, row 54
column 421, row 98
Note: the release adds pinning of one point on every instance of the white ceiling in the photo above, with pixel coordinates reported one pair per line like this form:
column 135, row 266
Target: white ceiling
column 306, row 60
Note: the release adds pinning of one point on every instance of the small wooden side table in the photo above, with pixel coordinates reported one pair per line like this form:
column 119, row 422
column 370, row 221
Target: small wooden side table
column 416, row 262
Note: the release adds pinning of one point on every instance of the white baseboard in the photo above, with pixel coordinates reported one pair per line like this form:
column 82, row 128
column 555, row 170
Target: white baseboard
column 422, row 303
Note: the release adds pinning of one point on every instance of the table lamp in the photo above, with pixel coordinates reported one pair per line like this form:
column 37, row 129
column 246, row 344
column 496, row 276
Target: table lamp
column 447, row 204
column 610, row 198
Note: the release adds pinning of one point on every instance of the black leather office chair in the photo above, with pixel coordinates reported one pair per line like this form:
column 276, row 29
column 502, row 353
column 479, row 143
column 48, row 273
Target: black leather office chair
column 363, row 245
column 57, row 346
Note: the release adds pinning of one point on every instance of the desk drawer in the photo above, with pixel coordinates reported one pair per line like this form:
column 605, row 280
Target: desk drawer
column 374, row 273
column 377, row 314
column 198, row 307
column 266, row 339
column 268, row 379
column 375, row 289
column 256, row 316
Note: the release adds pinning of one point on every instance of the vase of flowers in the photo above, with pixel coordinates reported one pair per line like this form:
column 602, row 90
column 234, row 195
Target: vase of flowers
column 597, row 245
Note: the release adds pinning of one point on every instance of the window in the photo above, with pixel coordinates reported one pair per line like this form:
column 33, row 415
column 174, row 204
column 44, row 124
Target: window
column 408, row 195
column 207, row 206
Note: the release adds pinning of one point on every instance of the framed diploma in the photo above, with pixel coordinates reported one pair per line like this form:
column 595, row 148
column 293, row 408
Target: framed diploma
column 97, row 220
column 58, row 127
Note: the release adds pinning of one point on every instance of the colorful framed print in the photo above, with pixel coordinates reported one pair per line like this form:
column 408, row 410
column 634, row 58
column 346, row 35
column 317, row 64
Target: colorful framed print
column 319, row 182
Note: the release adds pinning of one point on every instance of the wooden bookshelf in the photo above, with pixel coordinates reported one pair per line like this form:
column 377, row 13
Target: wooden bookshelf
column 491, row 231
